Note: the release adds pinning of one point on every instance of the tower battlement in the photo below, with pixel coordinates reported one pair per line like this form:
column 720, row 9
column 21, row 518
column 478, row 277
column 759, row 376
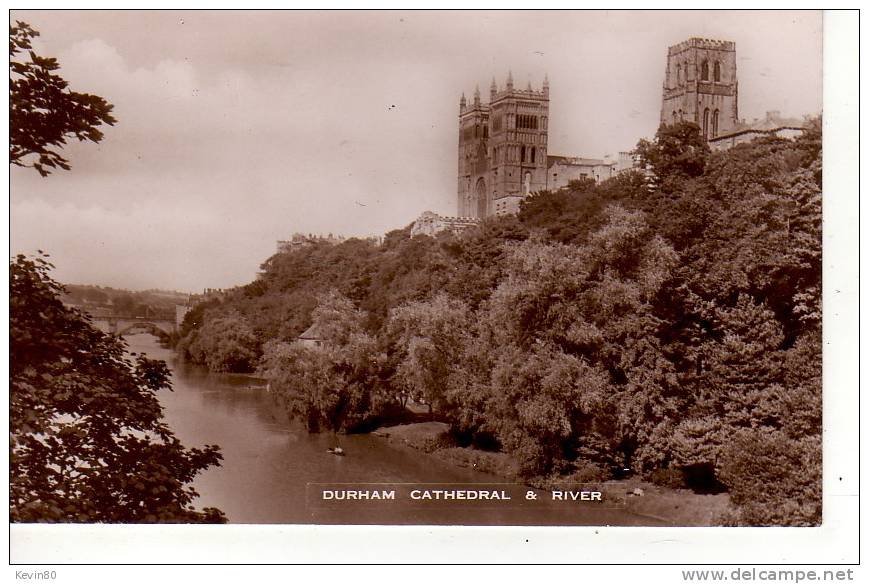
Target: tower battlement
column 508, row 92
column 698, row 43
column 520, row 94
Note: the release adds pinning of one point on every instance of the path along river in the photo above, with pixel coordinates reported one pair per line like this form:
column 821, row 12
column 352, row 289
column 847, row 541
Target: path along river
column 272, row 469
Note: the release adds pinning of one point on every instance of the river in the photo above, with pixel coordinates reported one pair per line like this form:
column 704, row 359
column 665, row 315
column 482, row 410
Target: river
column 271, row 467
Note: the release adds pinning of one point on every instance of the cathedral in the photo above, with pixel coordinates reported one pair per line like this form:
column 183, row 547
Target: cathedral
column 503, row 143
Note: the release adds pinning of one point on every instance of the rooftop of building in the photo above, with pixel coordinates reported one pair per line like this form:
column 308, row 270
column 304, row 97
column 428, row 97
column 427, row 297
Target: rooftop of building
column 553, row 159
column 312, row 333
column 432, row 216
column 772, row 122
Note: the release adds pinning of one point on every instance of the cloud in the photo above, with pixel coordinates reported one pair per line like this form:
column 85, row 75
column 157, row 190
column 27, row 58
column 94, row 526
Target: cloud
column 238, row 129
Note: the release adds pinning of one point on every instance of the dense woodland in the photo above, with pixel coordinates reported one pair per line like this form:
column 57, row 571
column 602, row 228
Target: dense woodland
column 666, row 324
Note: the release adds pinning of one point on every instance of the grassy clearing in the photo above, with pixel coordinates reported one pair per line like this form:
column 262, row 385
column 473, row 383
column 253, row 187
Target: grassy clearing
column 678, row 507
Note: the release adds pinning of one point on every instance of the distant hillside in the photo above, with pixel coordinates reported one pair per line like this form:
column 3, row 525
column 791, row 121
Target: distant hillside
column 120, row 301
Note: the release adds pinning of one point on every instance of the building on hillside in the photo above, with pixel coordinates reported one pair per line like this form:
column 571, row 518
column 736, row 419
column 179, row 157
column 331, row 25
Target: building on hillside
column 431, row 223
column 626, row 161
column 700, row 86
column 560, row 170
column 772, row 125
column 300, row 240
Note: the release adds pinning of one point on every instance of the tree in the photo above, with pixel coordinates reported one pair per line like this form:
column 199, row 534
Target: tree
column 43, row 111
column 542, row 403
column 88, row 443
column 224, row 343
column 678, row 152
column 773, row 479
column 431, row 338
column 334, row 386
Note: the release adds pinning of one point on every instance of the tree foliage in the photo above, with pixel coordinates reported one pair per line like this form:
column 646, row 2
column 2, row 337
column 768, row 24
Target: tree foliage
column 430, row 337
column 88, row 443
column 43, row 111
column 224, row 343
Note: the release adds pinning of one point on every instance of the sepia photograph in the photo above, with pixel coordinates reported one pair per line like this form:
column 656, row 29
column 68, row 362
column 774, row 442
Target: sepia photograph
column 488, row 268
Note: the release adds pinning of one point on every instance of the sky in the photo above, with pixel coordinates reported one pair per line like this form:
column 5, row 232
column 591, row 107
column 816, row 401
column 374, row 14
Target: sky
column 237, row 129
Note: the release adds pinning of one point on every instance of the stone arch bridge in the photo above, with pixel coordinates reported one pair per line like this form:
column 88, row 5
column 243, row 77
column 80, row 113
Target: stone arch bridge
column 120, row 325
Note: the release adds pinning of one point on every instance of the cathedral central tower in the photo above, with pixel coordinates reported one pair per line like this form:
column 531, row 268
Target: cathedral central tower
column 502, row 149
column 700, row 86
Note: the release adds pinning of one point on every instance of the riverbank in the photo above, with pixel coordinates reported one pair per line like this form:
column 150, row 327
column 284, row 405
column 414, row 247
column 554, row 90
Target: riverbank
column 678, row 507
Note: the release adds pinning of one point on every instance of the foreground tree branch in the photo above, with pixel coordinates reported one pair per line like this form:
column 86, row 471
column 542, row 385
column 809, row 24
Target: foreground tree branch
column 43, row 111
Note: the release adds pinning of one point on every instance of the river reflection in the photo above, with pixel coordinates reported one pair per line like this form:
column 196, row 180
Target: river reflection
column 269, row 463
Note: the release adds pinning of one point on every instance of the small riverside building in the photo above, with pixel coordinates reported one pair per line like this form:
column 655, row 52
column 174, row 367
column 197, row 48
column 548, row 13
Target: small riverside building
column 312, row 337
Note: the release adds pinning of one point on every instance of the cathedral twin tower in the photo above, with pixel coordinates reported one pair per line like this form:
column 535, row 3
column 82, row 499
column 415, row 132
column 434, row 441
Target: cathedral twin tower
column 503, row 143
column 502, row 149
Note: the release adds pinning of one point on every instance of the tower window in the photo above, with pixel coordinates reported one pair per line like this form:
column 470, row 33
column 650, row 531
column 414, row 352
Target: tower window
column 526, row 122
column 533, row 154
column 679, row 74
column 715, row 124
column 522, row 156
column 706, row 123
column 716, row 71
column 704, row 70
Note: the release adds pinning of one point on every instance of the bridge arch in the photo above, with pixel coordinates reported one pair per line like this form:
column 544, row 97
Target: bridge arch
column 123, row 324
column 147, row 326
